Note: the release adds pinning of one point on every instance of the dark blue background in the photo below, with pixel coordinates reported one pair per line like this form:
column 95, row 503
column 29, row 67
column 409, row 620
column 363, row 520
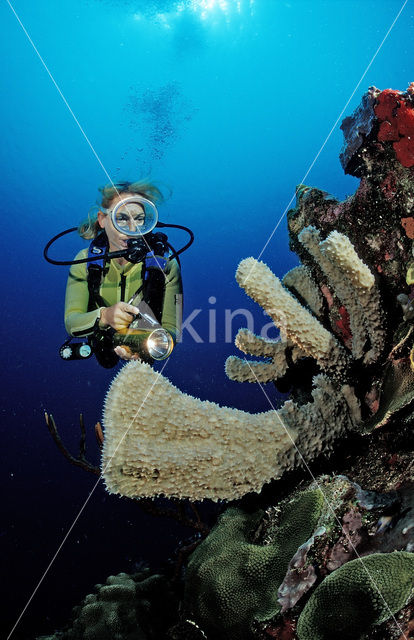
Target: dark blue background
column 225, row 102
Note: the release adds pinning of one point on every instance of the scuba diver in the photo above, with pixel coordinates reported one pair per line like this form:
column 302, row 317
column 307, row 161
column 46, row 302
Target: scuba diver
column 124, row 293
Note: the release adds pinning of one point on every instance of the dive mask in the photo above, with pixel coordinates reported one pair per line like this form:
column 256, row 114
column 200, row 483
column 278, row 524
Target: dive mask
column 133, row 216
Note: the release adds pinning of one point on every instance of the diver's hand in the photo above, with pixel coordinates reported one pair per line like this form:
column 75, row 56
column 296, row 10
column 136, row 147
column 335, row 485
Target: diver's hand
column 119, row 316
column 126, row 354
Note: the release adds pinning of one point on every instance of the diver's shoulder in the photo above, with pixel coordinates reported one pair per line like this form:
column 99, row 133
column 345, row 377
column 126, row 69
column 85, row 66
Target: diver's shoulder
column 173, row 265
column 83, row 253
column 80, row 268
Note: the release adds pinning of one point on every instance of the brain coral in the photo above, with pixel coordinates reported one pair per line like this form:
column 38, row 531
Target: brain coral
column 358, row 595
column 232, row 581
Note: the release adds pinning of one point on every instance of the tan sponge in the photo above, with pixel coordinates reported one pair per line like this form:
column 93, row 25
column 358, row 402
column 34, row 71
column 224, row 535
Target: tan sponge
column 161, row 441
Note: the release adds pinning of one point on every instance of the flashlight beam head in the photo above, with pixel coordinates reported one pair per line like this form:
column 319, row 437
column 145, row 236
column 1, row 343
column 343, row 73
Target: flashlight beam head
column 156, row 345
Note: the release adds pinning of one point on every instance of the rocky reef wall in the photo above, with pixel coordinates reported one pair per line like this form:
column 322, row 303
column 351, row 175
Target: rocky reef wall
column 312, row 556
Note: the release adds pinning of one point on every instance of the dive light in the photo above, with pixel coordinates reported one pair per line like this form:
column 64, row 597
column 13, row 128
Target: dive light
column 158, row 344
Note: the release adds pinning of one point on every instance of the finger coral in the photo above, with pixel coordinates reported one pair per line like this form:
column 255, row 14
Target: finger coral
column 301, row 281
column 340, row 251
column 295, row 322
column 280, row 353
column 336, row 250
column 349, row 278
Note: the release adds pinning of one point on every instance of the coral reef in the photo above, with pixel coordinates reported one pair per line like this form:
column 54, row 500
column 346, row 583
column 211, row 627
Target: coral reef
column 346, row 320
column 357, row 596
column 253, row 569
column 232, row 581
column 251, row 573
column 138, row 607
column 334, row 312
column 292, row 569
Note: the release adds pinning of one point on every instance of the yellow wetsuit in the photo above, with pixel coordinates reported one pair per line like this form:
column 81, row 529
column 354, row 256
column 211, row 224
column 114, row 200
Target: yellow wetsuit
column 119, row 284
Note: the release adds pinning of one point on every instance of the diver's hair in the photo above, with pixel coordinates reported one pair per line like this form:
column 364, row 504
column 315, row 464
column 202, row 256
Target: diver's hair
column 89, row 228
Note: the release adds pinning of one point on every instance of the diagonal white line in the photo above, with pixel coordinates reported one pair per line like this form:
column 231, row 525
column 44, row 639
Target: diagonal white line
column 330, row 133
column 71, row 112
column 331, row 509
column 58, row 550
column 60, row 92
column 111, row 181
column 271, row 235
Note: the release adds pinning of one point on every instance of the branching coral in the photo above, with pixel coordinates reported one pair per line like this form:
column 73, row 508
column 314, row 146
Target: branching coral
column 81, row 460
column 350, row 280
column 280, row 353
column 300, row 280
column 311, row 239
column 340, row 251
column 355, row 286
column 294, row 321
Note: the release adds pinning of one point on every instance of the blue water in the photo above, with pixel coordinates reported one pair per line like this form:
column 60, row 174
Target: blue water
column 224, row 103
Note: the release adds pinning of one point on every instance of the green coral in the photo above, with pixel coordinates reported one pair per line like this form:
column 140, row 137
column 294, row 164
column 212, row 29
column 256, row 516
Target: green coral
column 112, row 613
column 358, row 595
column 137, row 607
column 231, row 581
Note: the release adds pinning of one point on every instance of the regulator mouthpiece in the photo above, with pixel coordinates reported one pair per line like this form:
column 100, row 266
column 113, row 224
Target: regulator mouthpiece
column 134, row 216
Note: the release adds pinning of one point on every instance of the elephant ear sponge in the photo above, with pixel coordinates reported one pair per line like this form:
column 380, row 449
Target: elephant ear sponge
column 232, row 581
column 358, row 595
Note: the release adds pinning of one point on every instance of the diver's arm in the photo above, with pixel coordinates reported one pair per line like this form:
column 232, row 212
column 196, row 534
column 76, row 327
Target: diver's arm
column 172, row 309
column 78, row 320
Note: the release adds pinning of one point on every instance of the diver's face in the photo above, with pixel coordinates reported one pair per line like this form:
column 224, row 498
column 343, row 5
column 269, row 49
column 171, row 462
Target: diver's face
column 117, row 240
